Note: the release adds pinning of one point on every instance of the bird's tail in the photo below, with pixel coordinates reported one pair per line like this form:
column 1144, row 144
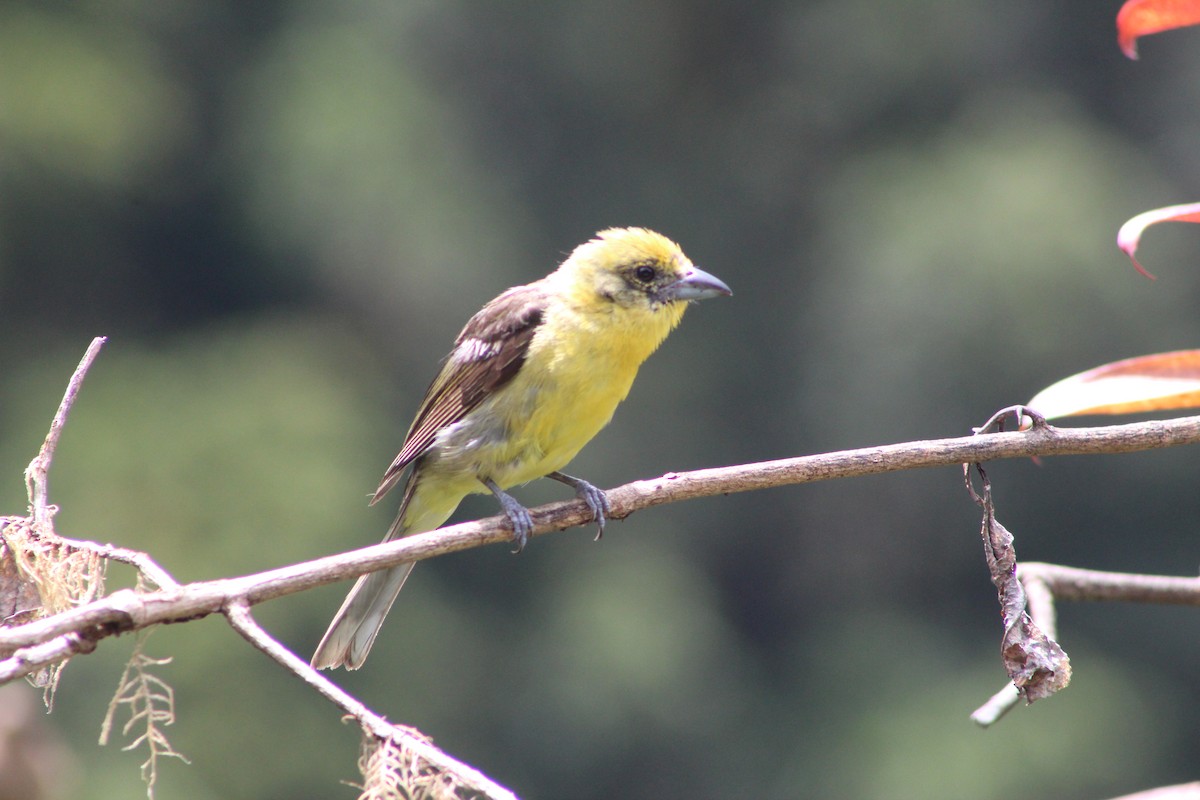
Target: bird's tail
column 357, row 622
column 426, row 505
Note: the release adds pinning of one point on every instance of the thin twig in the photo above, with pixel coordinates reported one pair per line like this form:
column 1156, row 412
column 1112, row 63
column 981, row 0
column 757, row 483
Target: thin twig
column 1084, row 585
column 243, row 622
column 996, row 706
column 1039, row 599
column 37, row 473
column 29, row 660
column 140, row 561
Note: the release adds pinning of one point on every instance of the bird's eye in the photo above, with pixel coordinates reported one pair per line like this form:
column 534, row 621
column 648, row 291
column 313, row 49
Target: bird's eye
column 645, row 273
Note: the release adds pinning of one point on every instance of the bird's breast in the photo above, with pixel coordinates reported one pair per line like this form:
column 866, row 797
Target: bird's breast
column 577, row 370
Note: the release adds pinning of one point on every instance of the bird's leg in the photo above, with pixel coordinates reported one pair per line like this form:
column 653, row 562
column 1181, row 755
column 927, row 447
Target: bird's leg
column 518, row 515
column 595, row 498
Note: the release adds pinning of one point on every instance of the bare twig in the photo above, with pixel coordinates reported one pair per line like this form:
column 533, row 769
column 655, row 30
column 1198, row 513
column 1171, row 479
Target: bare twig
column 997, row 706
column 238, row 614
column 29, row 660
column 1082, row 585
column 1039, row 599
column 243, row 622
column 142, row 562
column 37, row 473
column 48, row 575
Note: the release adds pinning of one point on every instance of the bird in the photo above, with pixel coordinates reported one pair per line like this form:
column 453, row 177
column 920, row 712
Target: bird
column 533, row 376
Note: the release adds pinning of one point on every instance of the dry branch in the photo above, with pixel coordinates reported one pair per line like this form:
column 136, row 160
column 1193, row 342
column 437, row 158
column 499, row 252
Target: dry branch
column 26, row 648
column 37, row 473
column 409, row 742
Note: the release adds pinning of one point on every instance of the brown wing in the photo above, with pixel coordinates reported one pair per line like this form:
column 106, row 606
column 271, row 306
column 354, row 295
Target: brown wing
column 487, row 354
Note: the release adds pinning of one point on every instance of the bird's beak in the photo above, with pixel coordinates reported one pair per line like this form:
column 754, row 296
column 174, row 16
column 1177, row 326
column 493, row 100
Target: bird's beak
column 696, row 284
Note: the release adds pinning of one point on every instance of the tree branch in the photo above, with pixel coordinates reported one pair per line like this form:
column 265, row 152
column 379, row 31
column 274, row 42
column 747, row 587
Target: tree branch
column 373, row 725
column 37, row 473
column 126, row 610
column 1082, row 585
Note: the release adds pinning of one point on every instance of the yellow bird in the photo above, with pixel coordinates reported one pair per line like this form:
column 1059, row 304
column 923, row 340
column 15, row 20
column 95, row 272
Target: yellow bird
column 532, row 378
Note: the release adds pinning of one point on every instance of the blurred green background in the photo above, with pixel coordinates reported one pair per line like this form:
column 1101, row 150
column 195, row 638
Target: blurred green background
column 281, row 213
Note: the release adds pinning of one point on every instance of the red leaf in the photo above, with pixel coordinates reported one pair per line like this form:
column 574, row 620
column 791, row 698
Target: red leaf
column 1131, row 232
column 1143, row 17
column 1158, row 382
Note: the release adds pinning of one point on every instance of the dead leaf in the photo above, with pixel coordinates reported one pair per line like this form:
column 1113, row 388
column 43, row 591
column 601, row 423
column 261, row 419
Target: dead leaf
column 1035, row 663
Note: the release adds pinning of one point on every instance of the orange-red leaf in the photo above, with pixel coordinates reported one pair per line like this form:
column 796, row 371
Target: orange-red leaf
column 1145, row 383
column 1131, row 232
column 1143, row 17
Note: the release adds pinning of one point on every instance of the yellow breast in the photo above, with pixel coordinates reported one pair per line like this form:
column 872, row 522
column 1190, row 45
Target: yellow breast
column 580, row 366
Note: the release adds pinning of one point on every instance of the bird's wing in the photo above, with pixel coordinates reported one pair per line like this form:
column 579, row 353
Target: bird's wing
column 487, row 354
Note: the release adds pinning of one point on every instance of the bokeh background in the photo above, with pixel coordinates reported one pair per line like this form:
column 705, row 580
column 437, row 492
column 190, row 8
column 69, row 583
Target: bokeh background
column 281, row 213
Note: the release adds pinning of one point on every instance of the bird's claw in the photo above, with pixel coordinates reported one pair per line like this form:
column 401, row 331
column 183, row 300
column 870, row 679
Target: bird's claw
column 522, row 523
column 595, row 498
column 518, row 516
column 597, row 501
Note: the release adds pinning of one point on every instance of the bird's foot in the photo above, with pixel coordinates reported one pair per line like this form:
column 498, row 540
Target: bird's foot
column 522, row 523
column 595, row 498
column 518, row 515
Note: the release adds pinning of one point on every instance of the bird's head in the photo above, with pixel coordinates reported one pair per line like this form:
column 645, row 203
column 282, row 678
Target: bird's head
column 636, row 269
